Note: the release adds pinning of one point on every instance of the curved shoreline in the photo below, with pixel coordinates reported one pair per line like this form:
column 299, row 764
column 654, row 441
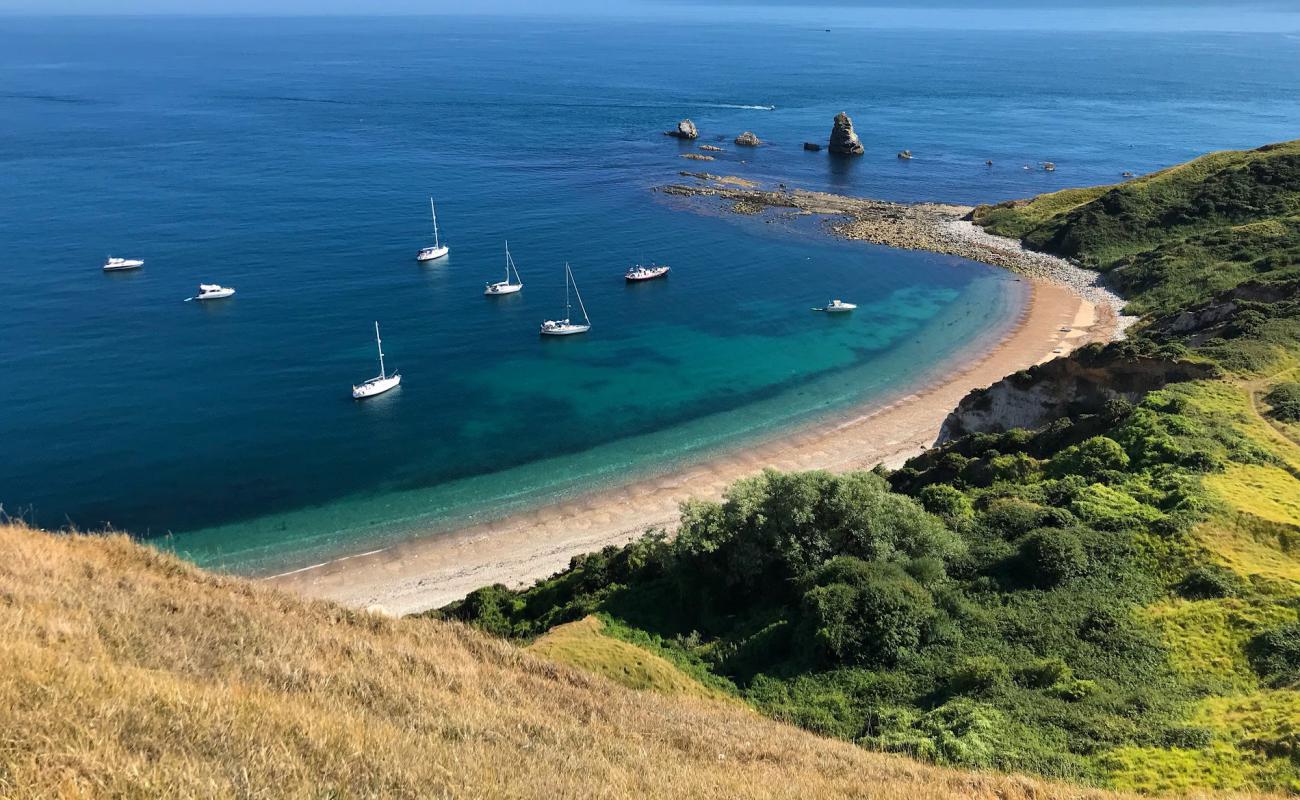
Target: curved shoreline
column 432, row 570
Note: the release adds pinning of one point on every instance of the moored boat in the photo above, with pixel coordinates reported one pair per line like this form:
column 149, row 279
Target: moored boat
column 566, row 326
column 211, row 291
column 646, row 273
column 437, row 249
column 121, row 264
column 837, row 306
column 505, row 286
column 381, row 382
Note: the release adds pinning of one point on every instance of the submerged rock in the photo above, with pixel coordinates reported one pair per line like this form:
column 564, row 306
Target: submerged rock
column 748, row 139
column 844, row 140
column 685, row 130
column 697, row 156
column 813, row 146
column 714, row 148
column 905, row 155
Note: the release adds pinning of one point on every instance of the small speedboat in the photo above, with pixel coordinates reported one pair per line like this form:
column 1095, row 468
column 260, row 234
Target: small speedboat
column 211, row 291
column 643, row 273
column 119, row 264
column 566, row 326
column 837, row 306
column 381, row 382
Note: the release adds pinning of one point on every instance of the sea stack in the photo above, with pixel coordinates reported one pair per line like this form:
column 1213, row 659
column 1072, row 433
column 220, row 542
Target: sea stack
column 685, row 130
column 748, row 139
column 844, row 140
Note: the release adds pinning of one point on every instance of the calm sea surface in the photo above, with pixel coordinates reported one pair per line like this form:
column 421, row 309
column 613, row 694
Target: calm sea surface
column 293, row 160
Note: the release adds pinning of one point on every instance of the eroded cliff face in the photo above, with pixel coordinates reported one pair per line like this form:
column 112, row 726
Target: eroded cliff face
column 1081, row 383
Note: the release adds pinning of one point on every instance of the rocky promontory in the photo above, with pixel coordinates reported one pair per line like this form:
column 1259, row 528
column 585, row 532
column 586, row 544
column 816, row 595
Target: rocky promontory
column 684, row 130
column 844, row 140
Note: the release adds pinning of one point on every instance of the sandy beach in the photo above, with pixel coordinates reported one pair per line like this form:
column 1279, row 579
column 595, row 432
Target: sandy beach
column 427, row 572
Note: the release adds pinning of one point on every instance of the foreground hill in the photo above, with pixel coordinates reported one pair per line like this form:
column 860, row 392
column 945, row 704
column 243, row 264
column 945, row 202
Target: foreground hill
column 126, row 673
column 1096, row 578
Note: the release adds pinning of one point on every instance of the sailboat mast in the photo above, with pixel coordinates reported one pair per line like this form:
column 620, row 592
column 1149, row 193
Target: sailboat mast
column 568, row 275
column 380, row 346
column 434, row 213
column 507, row 261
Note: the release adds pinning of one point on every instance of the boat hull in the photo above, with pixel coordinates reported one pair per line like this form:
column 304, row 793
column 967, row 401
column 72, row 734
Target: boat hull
column 502, row 288
column 563, row 329
column 635, row 278
column 375, row 386
column 220, row 295
column 123, row 266
column 432, row 253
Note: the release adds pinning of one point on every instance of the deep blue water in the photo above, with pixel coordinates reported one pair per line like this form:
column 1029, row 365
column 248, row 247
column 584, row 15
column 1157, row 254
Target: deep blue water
column 292, row 159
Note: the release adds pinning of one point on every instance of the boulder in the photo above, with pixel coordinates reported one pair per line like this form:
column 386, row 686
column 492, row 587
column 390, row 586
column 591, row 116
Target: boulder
column 813, row 146
column 748, row 139
column 844, row 140
column 685, row 130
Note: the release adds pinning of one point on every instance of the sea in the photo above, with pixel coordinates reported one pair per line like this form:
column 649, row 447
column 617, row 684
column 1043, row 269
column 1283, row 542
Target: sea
column 294, row 159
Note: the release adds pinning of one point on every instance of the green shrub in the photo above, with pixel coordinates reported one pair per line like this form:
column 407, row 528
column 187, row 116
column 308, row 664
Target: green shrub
column 1044, row 673
column 1275, row 655
column 1050, row 556
column 1284, row 402
column 1209, row 582
column 1093, row 459
column 865, row 613
column 947, row 503
column 979, row 675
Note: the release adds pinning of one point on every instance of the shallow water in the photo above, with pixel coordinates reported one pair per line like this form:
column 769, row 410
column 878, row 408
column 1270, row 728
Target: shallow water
column 292, row 159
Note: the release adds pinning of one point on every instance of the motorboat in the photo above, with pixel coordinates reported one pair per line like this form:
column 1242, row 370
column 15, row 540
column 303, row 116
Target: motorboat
column 437, row 249
column 211, row 291
column 836, row 307
column 381, row 382
column 121, row 264
column 646, row 273
column 566, row 326
column 505, row 286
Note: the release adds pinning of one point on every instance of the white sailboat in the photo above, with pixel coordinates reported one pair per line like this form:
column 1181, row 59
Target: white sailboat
column 438, row 250
column 505, row 286
column 566, row 326
column 381, row 382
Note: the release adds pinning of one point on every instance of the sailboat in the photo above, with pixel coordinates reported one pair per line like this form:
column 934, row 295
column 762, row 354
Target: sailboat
column 566, row 326
column 381, row 382
column 505, row 286
column 438, row 250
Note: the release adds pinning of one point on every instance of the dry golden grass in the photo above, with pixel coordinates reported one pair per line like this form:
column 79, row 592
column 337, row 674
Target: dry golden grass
column 127, row 673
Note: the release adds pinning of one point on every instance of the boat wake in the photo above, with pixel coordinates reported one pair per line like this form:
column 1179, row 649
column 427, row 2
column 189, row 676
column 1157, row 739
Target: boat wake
column 751, row 108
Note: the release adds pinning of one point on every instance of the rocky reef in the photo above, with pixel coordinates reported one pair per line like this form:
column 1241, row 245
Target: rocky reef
column 684, row 130
column 844, row 140
column 812, row 146
column 748, row 139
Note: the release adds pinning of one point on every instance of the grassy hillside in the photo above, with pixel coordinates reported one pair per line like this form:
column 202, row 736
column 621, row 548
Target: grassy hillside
column 127, row 673
column 1113, row 599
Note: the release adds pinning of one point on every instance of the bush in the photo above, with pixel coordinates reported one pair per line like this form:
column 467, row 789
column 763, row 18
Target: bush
column 1209, row 582
column 1093, row 459
column 865, row 613
column 1284, row 402
column 1275, row 654
column 1050, row 556
column 979, row 675
column 1044, row 673
column 947, row 503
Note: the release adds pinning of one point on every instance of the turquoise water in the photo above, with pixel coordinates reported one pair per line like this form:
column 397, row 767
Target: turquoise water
column 292, row 159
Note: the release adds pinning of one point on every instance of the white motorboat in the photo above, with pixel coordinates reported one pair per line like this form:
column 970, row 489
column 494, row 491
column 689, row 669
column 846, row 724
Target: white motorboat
column 211, row 291
column 381, row 382
column 566, row 326
column 644, row 273
column 120, row 264
column 836, row 306
column 505, row 286
column 438, row 249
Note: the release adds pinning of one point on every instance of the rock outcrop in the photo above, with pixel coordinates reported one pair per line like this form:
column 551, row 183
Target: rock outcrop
column 844, row 140
column 813, row 146
column 748, row 139
column 685, row 130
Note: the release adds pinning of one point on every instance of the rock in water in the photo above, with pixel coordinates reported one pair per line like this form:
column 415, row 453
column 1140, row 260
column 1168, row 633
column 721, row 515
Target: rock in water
column 813, row 146
column 844, row 140
column 685, row 130
column 748, row 139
